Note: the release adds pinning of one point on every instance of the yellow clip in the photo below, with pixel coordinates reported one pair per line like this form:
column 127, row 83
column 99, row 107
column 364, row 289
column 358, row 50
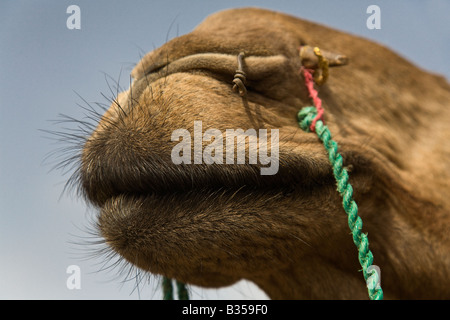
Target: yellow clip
column 321, row 73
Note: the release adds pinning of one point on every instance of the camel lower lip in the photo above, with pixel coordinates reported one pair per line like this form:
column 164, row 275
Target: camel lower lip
column 165, row 206
column 153, row 231
column 127, row 219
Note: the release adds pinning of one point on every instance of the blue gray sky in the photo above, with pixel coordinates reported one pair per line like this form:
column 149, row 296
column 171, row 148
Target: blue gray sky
column 44, row 65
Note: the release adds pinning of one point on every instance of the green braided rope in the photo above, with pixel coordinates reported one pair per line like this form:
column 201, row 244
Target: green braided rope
column 182, row 291
column 305, row 117
column 167, row 287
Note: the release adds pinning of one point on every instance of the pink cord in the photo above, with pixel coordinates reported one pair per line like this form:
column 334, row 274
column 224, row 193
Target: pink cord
column 309, row 81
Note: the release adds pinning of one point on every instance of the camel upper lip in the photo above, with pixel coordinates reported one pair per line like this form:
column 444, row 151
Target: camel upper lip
column 100, row 183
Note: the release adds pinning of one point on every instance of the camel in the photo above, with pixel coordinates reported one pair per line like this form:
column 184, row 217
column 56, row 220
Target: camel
column 214, row 223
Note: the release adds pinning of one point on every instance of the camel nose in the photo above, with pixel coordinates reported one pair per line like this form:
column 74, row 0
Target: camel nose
column 106, row 165
column 121, row 156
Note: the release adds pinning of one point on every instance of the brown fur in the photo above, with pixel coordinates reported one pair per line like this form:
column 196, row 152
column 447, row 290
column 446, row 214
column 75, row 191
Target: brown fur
column 212, row 225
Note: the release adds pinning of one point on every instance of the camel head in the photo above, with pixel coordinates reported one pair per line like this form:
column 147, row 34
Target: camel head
column 210, row 181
